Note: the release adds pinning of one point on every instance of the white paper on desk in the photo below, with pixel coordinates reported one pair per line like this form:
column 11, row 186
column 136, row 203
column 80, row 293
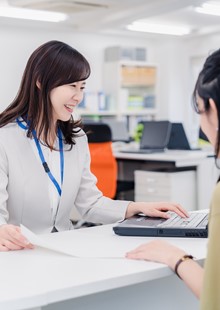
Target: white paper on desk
column 80, row 244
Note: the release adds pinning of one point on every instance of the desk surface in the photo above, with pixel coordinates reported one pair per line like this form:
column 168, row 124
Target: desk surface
column 181, row 158
column 34, row 278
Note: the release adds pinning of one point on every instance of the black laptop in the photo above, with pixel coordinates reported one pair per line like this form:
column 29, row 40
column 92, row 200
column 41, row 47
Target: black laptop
column 178, row 139
column 195, row 226
column 154, row 139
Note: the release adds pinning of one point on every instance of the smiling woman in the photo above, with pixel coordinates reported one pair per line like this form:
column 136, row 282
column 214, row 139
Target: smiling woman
column 55, row 74
column 44, row 154
column 65, row 98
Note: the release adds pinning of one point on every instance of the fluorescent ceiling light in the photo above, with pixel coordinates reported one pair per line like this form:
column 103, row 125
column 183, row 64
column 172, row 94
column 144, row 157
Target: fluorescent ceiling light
column 12, row 12
column 207, row 8
column 156, row 28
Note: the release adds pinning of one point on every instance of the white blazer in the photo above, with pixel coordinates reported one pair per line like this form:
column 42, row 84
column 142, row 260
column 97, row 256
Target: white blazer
column 24, row 196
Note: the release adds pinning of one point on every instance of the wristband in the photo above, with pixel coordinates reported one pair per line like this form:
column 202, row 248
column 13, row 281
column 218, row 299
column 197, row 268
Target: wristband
column 182, row 259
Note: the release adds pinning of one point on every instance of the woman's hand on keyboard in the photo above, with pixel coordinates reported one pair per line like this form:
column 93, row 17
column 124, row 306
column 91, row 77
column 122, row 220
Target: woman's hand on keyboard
column 155, row 209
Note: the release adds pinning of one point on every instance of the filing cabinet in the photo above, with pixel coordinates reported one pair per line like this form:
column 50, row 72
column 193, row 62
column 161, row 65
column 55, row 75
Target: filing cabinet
column 179, row 187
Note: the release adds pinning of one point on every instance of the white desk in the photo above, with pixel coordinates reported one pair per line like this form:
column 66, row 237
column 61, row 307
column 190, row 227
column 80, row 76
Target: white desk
column 206, row 172
column 178, row 157
column 42, row 279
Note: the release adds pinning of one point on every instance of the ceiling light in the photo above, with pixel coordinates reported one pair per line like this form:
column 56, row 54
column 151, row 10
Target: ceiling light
column 207, row 8
column 12, row 12
column 156, row 28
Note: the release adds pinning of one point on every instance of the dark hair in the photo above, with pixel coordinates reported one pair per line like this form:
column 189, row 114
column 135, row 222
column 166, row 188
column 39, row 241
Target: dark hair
column 51, row 65
column 208, row 87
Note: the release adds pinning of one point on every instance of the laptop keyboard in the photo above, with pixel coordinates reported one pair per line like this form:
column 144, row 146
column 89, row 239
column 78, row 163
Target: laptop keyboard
column 194, row 220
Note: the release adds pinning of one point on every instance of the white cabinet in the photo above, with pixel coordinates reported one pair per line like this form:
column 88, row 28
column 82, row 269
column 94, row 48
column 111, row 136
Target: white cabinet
column 129, row 93
column 130, row 88
column 179, row 187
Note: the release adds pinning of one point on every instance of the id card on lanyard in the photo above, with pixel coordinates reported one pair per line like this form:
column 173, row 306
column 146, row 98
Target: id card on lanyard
column 44, row 163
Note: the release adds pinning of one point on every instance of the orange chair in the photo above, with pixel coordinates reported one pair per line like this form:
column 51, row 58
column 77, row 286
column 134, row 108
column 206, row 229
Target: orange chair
column 103, row 162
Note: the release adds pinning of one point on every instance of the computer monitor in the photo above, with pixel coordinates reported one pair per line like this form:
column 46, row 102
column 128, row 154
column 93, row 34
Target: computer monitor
column 119, row 130
column 178, row 139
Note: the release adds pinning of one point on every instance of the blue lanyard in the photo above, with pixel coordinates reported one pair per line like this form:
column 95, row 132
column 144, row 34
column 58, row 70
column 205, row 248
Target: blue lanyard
column 41, row 155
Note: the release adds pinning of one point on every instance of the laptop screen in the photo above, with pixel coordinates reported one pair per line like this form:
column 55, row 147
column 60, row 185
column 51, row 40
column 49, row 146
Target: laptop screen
column 155, row 134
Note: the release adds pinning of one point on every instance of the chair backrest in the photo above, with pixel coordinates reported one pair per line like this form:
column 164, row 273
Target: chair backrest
column 103, row 162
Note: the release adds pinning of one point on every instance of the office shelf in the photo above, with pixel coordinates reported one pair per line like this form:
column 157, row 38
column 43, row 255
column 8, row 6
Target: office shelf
column 143, row 112
column 130, row 87
column 129, row 93
column 83, row 112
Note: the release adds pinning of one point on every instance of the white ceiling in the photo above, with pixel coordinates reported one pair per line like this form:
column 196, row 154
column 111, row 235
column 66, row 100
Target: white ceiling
column 112, row 16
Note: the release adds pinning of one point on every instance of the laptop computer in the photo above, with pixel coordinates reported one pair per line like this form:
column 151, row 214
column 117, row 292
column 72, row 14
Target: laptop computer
column 178, row 139
column 119, row 130
column 195, row 226
column 154, row 139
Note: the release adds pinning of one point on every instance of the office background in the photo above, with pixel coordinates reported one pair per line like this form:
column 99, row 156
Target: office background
column 178, row 59
column 107, row 283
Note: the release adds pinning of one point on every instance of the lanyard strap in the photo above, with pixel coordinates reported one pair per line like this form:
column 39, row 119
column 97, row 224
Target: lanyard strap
column 41, row 155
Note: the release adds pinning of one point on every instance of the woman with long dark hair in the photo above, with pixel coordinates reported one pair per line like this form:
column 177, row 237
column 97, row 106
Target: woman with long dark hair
column 44, row 155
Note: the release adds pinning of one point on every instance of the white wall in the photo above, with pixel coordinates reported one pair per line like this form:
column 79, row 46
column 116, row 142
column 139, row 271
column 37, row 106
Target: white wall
column 19, row 41
column 173, row 56
column 180, row 61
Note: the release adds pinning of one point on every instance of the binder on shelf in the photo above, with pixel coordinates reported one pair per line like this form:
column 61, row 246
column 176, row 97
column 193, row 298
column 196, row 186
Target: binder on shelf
column 94, row 101
column 135, row 102
column 138, row 75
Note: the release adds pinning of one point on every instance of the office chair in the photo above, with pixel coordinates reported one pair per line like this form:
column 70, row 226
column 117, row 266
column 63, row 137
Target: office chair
column 103, row 162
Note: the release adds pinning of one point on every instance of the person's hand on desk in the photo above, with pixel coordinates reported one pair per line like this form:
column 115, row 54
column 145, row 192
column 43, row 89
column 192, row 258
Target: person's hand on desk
column 155, row 209
column 163, row 252
column 12, row 239
column 158, row 251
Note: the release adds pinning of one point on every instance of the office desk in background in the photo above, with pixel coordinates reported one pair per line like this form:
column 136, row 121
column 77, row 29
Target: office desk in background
column 41, row 279
column 202, row 162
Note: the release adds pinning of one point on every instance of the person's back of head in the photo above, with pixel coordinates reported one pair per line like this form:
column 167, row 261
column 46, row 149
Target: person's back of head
column 208, row 87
